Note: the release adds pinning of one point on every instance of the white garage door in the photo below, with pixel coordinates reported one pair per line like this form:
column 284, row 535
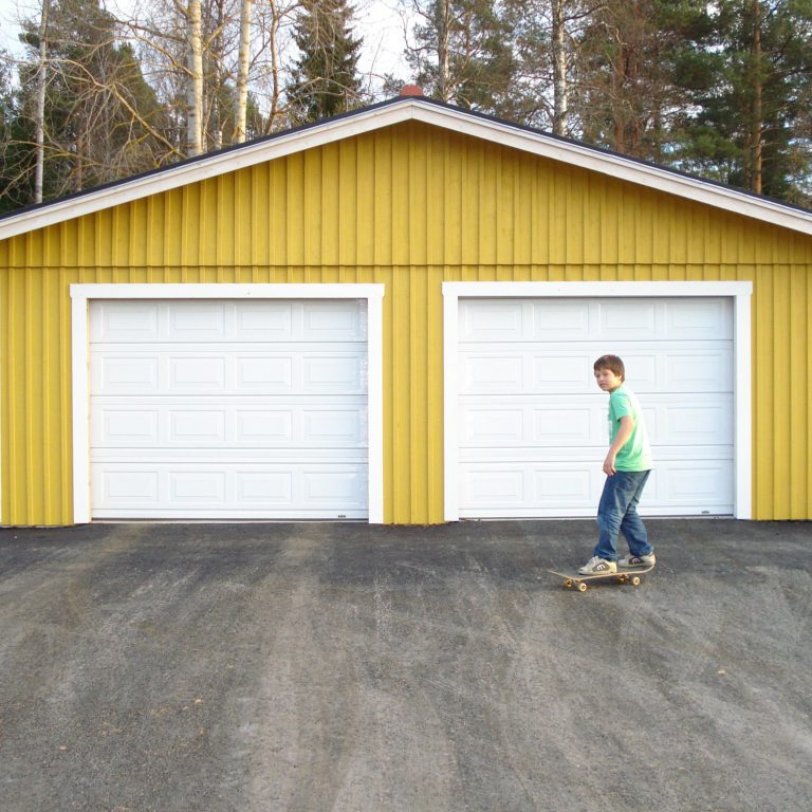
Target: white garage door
column 228, row 409
column 533, row 424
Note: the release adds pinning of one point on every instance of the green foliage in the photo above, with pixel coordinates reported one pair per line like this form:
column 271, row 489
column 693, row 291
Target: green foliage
column 324, row 80
column 102, row 120
column 722, row 90
column 16, row 157
column 463, row 54
column 748, row 88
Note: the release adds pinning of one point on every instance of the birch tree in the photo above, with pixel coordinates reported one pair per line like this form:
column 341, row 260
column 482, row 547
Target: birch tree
column 194, row 98
column 39, row 117
column 545, row 33
column 243, row 69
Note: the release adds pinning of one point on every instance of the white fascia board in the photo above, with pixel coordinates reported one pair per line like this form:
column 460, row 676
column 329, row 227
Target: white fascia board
column 225, row 290
column 413, row 109
column 598, row 289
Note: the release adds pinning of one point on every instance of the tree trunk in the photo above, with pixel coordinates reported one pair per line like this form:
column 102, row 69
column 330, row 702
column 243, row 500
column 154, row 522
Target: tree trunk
column 42, row 80
column 757, row 124
column 443, row 38
column 194, row 116
column 560, row 87
column 242, row 70
column 276, row 80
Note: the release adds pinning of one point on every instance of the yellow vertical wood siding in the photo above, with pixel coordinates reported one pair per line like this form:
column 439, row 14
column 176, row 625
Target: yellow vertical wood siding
column 409, row 206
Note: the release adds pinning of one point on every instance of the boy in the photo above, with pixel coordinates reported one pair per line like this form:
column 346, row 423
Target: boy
column 627, row 467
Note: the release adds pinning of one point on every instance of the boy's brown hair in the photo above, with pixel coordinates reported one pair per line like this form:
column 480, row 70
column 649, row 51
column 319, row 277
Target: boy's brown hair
column 613, row 363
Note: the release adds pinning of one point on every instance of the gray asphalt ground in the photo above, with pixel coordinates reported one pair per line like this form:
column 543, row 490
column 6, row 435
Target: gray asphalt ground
column 320, row 667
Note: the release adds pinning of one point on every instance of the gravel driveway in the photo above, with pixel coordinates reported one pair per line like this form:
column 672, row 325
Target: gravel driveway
column 315, row 667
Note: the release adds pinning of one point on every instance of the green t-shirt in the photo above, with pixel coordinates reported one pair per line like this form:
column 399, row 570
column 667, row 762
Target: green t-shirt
column 635, row 455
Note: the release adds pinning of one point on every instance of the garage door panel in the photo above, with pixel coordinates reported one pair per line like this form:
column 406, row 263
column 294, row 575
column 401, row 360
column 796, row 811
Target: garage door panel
column 557, row 323
column 130, row 322
column 699, row 370
column 488, row 422
column 699, row 319
column 205, row 455
column 229, row 409
column 628, row 320
column 215, row 489
column 693, row 425
column 509, row 489
column 168, row 425
column 125, row 426
column 491, row 372
column 262, row 426
column 560, row 369
column 572, row 487
column 263, row 321
column 334, row 321
column 197, row 426
column 197, row 321
column 701, row 485
column 145, row 321
column 485, row 426
column 533, row 368
column 492, row 320
column 201, row 372
column 492, row 426
column 125, row 374
column 266, row 373
column 332, row 373
column 524, row 371
column 195, row 373
column 705, row 420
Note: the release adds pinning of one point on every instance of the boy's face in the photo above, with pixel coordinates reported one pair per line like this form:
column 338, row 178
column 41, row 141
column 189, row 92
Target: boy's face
column 607, row 380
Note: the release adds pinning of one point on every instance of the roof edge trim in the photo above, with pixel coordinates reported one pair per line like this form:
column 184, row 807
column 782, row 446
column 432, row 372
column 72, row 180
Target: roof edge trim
column 394, row 112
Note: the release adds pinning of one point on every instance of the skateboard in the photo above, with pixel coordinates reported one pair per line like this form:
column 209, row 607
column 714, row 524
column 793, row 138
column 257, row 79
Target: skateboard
column 574, row 580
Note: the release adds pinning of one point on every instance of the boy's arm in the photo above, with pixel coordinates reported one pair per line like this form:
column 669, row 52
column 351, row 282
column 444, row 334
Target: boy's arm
column 623, row 434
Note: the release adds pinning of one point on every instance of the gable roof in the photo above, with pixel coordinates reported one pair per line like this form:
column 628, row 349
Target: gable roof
column 396, row 111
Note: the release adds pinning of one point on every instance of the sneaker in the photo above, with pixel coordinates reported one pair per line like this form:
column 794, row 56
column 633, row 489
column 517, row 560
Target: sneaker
column 631, row 561
column 597, row 566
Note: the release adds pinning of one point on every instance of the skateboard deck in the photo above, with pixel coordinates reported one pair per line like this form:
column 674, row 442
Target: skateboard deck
column 575, row 580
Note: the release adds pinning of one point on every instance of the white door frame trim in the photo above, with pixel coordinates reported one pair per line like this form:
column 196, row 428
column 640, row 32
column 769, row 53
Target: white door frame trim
column 83, row 294
column 740, row 292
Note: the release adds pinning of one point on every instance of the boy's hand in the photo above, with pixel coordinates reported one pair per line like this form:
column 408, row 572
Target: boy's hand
column 609, row 464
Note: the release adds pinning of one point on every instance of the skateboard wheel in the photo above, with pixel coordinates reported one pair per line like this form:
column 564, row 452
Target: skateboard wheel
column 582, row 587
column 636, row 580
column 568, row 583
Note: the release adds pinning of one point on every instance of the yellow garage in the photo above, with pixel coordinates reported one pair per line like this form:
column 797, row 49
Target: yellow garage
column 391, row 316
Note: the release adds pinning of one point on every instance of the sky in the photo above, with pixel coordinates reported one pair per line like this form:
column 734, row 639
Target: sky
column 378, row 21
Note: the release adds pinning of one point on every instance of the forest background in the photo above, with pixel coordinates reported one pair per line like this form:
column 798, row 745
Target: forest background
column 91, row 92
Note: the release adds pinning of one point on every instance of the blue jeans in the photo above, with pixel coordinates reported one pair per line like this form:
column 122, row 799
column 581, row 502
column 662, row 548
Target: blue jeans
column 617, row 513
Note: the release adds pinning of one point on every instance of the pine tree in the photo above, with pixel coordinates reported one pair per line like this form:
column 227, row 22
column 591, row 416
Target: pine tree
column 324, row 80
column 627, row 93
column 750, row 83
column 16, row 152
